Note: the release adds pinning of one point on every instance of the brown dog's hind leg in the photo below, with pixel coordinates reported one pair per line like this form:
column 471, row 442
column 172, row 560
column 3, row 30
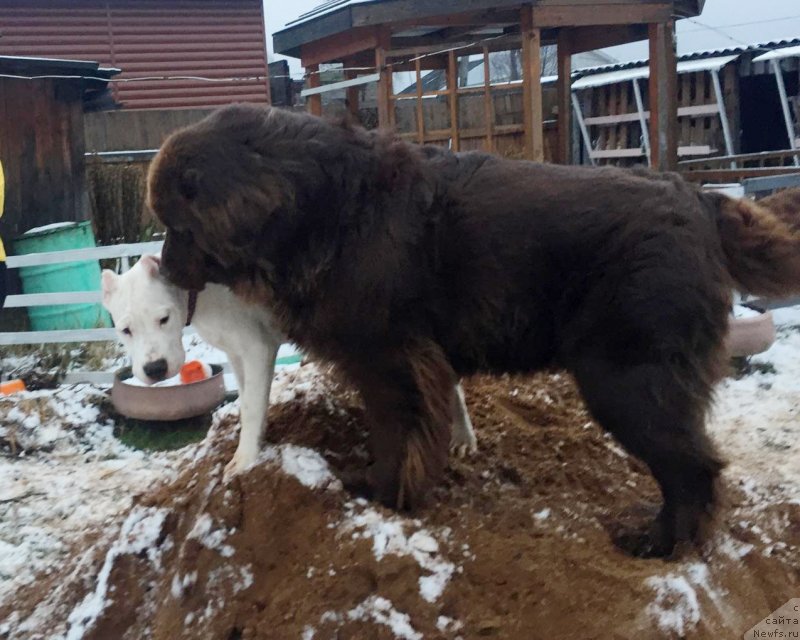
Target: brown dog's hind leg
column 408, row 395
column 657, row 413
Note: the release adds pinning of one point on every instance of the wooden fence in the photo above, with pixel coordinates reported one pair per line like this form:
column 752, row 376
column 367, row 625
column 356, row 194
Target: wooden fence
column 137, row 129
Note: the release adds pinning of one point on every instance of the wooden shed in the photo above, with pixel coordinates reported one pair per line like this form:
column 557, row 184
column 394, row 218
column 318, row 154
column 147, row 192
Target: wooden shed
column 42, row 139
column 213, row 51
column 732, row 102
column 375, row 40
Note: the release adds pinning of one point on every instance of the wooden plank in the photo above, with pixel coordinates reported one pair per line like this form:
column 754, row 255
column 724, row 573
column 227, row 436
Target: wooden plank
column 314, row 102
column 736, row 175
column 695, row 150
column 352, row 93
column 452, row 90
column 344, row 84
column 48, row 299
column 420, row 112
column 612, row 14
column 564, row 98
column 691, row 111
column 617, row 153
column 77, row 255
column 594, row 37
column 385, row 90
column 337, row 47
column 532, row 86
column 488, row 107
column 663, row 96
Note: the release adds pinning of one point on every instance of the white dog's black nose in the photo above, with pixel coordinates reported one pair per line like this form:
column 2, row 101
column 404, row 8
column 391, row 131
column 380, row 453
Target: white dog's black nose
column 156, row 370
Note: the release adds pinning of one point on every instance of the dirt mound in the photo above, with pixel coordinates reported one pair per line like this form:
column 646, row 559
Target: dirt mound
column 517, row 543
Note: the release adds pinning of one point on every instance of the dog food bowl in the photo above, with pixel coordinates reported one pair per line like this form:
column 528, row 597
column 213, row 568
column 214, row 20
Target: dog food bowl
column 168, row 403
column 750, row 335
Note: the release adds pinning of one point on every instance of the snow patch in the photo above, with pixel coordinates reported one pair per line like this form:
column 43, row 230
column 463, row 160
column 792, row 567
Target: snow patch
column 140, row 533
column 388, row 536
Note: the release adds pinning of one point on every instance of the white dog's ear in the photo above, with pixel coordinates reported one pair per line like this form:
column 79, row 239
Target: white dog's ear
column 151, row 265
column 109, row 280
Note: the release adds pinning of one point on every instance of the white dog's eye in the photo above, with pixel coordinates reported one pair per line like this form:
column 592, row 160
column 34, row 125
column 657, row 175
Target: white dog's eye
column 127, row 332
column 163, row 320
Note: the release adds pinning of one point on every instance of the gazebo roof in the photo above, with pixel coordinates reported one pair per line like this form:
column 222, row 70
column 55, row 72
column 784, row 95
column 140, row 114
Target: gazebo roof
column 414, row 21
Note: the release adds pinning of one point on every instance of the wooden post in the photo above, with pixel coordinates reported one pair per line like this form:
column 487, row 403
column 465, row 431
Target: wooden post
column 564, row 97
column 420, row 112
column 488, row 106
column 452, row 92
column 532, row 86
column 314, row 103
column 385, row 90
column 663, row 97
column 352, row 93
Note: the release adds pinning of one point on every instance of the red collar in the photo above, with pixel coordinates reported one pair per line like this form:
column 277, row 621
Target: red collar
column 192, row 306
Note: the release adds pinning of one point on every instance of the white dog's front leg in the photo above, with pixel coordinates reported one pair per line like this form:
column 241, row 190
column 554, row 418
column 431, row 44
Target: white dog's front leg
column 463, row 440
column 257, row 369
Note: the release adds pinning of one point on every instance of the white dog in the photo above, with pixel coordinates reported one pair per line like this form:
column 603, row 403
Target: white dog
column 149, row 315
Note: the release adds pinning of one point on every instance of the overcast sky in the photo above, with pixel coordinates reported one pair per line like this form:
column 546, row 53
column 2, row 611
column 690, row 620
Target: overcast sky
column 724, row 23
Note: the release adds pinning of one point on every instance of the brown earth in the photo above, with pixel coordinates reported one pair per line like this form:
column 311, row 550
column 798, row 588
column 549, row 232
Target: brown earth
column 528, row 522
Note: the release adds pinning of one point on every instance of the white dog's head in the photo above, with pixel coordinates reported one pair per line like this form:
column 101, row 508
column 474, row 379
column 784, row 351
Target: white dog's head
column 149, row 315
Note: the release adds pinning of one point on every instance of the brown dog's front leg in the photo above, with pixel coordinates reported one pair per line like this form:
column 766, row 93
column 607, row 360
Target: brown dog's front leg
column 409, row 398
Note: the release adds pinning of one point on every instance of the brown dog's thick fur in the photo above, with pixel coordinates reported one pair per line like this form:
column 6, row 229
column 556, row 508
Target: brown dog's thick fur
column 407, row 266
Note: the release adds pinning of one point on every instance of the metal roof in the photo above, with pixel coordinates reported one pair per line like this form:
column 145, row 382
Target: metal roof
column 697, row 55
column 621, row 75
column 778, row 54
column 28, row 67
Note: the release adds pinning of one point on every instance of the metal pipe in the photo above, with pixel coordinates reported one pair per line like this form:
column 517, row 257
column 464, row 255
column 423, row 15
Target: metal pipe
column 787, row 116
column 723, row 115
column 637, row 92
column 587, row 141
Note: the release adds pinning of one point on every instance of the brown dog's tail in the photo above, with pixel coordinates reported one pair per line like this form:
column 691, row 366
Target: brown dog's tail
column 761, row 241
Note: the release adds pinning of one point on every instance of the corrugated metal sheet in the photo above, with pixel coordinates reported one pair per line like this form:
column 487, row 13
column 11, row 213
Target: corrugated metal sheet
column 217, row 39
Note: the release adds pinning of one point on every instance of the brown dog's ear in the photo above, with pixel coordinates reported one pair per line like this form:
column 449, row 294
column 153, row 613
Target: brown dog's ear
column 189, row 184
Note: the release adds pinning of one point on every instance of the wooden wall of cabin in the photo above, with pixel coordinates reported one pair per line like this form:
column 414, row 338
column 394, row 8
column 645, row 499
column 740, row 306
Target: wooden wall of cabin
column 42, row 150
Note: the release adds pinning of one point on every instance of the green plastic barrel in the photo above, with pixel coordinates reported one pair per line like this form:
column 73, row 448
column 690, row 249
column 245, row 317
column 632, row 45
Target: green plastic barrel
column 67, row 276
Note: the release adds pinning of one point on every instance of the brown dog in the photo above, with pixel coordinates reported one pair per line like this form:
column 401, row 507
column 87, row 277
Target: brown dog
column 407, row 266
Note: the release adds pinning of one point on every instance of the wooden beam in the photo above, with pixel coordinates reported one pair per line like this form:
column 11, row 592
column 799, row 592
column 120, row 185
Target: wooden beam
column 452, row 89
column 314, row 102
column 352, row 95
column 532, row 86
column 591, row 38
column 337, row 47
column 564, row 89
column 499, row 44
column 488, row 106
column 663, row 97
column 588, row 15
column 385, row 90
column 420, row 111
column 456, row 19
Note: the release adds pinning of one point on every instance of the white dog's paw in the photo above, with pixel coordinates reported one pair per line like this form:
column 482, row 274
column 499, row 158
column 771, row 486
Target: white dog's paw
column 463, row 444
column 242, row 459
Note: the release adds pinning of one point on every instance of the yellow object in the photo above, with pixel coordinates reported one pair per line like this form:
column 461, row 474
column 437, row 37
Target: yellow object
column 12, row 386
column 2, row 203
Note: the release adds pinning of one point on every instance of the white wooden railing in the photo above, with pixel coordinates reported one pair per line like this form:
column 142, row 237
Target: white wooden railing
column 287, row 354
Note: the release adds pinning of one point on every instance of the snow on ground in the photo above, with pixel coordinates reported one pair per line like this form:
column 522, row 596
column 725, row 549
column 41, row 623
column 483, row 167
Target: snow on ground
column 756, row 419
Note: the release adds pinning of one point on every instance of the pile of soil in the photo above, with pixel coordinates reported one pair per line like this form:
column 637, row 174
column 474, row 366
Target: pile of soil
column 517, row 543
